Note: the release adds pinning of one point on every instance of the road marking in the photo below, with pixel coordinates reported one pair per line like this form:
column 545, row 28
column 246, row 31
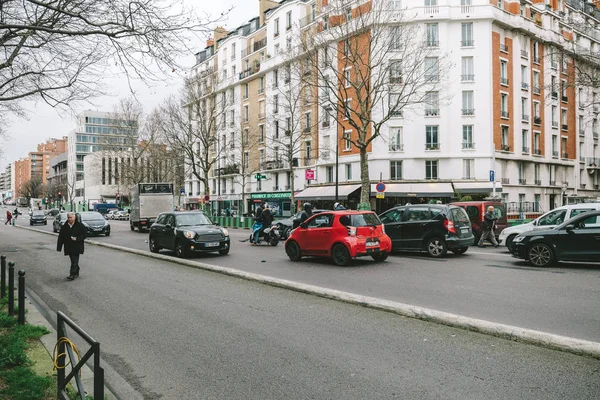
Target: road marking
column 489, row 254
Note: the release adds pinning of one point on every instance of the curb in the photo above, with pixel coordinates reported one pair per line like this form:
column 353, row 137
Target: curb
column 515, row 333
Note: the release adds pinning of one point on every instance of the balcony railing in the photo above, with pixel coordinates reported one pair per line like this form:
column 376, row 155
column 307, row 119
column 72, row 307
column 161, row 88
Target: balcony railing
column 504, row 48
column 467, row 43
column 537, row 120
column 325, row 124
column 595, row 135
column 592, row 162
column 230, row 169
column 505, row 181
column 504, row 114
column 432, row 112
column 468, row 111
column 504, row 81
column 524, row 85
column 554, row 154
column 255, row 47
column 536, row 90
column 467, row 78
column 555, row 124
column 565, row 154
column 505, row 147
column 537, row 152
column 432, row 43
column 307, row 20
column 522, row 181
column 525, row 150
column 468, row 145
column 396, row 147
column 552, row 183
column 538, row 182
column 565, row 127
column 274, row 164
column 525, row 118
column 581, row 132
column 432, row 146
column 524, row 54
column 250, row 71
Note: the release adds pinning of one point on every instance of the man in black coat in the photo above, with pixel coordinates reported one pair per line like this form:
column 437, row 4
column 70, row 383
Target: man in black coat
column 71, row 237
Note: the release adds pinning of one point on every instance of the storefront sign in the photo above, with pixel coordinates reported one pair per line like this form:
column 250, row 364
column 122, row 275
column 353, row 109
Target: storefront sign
column 310, row 174
column 276, row 195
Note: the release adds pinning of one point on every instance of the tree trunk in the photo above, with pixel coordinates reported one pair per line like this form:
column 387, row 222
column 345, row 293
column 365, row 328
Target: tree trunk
column 365, row 189
column 292, row 201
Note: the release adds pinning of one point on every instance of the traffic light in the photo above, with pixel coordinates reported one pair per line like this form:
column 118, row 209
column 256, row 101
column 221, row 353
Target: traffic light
column 59, row 194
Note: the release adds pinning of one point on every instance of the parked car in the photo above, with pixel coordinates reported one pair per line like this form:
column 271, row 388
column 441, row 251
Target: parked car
column 546, row 221
column 53, row 212
column 476, row 211
column 187, row 233
column 577, row 239
column 341, row 235
column 286, row 225
column 38, row 217
column 111, row 214
column 434, row 228
column 121, row 215
column 94, row 223
column 59, row 221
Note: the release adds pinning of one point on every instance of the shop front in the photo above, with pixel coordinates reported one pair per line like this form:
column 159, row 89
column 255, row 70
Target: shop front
column 193, row 203
column 477, row 190
column 324, row 197
column 410, row 192
column 225, row 205
column 279, row 202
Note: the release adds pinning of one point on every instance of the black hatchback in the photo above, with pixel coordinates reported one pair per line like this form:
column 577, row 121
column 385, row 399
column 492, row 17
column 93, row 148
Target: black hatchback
column 577, row 239
column 187, row 233
column 434, row 228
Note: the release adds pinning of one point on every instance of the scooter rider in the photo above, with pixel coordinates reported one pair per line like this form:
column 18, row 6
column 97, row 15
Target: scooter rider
column 258, row 224
column 304, row 215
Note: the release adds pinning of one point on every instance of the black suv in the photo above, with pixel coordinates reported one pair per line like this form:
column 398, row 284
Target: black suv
column 434, row 228
column 186, row 233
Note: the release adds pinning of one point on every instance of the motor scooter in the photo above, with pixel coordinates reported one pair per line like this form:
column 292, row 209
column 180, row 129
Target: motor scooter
column 270, row 234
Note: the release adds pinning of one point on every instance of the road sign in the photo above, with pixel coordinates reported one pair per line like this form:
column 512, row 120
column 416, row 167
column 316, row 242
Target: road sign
column 206, row 198
column 182, row 191
column 309, row 174
column 492, row 175
column 258, row 177
column 380, row 187
column 380, row 195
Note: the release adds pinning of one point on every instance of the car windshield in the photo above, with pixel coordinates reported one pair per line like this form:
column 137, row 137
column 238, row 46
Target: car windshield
column 38, row 214
column 367, row 219
column 192, row 219
column 91, row 216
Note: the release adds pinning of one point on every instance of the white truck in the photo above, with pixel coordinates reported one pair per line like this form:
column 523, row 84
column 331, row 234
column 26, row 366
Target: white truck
column 147, row 201
column 35, row 204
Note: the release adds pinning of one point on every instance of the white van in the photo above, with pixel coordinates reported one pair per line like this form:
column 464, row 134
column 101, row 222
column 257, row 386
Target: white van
column 546, row 221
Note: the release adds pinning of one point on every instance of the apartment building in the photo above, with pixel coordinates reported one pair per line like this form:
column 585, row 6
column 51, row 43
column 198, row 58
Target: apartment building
column 513, row 102
column 7, row 183
column 95, row 131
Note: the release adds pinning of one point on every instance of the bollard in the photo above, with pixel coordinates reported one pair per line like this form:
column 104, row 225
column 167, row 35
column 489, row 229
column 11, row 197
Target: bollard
column 21, row 298
column 11, row 288
column 3, row 277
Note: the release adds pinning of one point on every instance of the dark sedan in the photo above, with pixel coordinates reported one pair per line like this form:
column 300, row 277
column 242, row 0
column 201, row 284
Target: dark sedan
column 187, row 233
column 577, row 239
column 38, row 217
column 59, row 221
column 94, row 223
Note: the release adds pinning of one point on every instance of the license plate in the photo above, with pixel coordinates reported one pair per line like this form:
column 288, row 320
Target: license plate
column 373, row 244
column 213, row 244
column 464, row 230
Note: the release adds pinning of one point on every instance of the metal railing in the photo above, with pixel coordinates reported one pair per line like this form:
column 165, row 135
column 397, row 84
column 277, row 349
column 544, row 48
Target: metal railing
column 62, row 378
column 468, row 145
column 523, row 206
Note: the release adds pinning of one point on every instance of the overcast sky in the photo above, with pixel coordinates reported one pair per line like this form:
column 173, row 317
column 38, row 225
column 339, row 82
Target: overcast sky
column 44, row 122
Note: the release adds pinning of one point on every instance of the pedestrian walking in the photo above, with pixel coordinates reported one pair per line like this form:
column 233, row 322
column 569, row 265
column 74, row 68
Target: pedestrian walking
column 489, row 225
column 8, row 218
column 71, row 237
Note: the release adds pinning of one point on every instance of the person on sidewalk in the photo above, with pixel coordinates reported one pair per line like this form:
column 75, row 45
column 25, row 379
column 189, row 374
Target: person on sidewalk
column 489, row 227
column 71, row 237
column 8, row 218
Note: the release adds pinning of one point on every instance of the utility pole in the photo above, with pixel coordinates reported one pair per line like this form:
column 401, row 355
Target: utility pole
column 218, row 174
column 337, row 148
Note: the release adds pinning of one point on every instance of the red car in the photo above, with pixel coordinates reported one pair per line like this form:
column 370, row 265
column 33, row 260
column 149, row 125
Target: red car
column 341, row 235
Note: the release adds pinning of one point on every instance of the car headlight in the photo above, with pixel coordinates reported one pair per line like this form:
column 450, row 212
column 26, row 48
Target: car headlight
column 225, row 232
column 189, row 234
column 86, row 224
column 518, row 239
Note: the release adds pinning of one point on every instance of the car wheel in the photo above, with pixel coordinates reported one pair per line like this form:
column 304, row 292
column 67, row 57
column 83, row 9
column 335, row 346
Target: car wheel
column 292, row 249
column 509, row 240
column 380, row 256
column 340, row 255
column 287, row 232
column 224, row 252
column 460, row 250
column 152, row 245
column 540, row 255
column 274, row 241
column 180, row 250
column 436, row 247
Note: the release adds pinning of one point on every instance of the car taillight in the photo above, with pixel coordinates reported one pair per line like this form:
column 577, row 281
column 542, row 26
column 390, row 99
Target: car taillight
column 383, row 228
column 351, row 230
column 449, row 225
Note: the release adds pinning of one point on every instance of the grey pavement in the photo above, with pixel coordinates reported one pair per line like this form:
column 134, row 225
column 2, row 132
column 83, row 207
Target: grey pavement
column 174, row 332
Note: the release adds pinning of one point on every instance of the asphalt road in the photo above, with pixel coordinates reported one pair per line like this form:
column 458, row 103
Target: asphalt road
column 484, row 283
column 174, row 332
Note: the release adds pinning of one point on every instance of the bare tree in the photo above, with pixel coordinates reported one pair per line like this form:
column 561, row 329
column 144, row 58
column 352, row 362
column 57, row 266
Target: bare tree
column 33, row 188
column 372, row 64
column 58, row 50
column 189, row 125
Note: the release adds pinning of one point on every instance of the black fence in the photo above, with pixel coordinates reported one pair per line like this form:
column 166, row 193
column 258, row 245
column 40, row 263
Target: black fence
column 9, row 288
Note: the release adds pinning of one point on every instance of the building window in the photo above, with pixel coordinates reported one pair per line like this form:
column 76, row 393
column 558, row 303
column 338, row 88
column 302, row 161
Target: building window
column 261, row 134
column 431, row 138
column 432, row 35
column 467, row 71
column 288, row 20
column 504, row 105
column 261, row 159
column 276, row 27
column 468, row 168
column 396, row 170
column 246, row 114
column 347, row 142
column 432, row 73
column 524, row 80
column 467, row 34
column 347, row 108
column 536, row 143
column 395, row 72
column 504, row 137
column 395, row 39
column 536, row 82
column 467, row 103
column 348, row 13
column 329, row 174
column 468, row 137
column 245, row 90
column 348, row 172
column 245, row 138
column 525, row 141
column 432, row 104
column 307, row 122
column 308, row 150
column 246, row 160
column 396, row 139
column 563, row 119
column 431, row 169
column 524, row 109
column 503, row 73
column 536, row 52
column 347, row 77
column 261, row 85
column 394, row 107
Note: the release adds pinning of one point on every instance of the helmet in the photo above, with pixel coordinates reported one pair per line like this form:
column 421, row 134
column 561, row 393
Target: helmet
column 336, row 205
column 307, row 206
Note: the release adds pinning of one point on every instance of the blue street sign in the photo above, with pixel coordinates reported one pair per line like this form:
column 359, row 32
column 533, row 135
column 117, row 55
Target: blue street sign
column 182, row 191
column 492, row 175
column 380, row 187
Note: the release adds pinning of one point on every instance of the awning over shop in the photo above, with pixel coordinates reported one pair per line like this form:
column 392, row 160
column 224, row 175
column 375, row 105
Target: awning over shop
column 326, row 192
column 421, row 189
column 476, row 187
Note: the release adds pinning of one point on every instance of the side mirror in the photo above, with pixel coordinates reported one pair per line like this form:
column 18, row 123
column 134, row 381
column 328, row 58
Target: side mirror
column 303, row 225
column 569, row 228
column 168, row 226
column 535, row 222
